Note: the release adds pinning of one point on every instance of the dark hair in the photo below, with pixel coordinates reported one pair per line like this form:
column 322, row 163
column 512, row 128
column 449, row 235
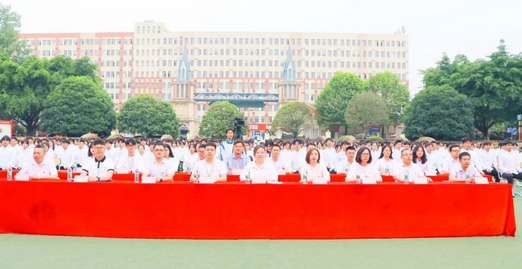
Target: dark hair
column 210, row 145
column 463, row 154
column 286, row 143
column 452, row 147
column 239, row 142
column 40, row 147
column 486, row 143
column 310, row 144
column 130, row 141
column 89, row 153
column 350, row 148
column 121, row 140
column 360, row 152
column 98, row 142
column 382, row 152
column 5, row 138
column 171, row 154
column 276, row 146
column 229, row 129
column 466, row 139
column 310, row 153
column 424, row 158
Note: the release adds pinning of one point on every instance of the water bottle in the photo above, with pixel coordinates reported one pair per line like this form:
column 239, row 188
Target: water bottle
column 69, row 174
column 229, row 171
column 9, row 173
column 196, row 177
column 387, row 170
column 305, row 177
column 247, row 178
column 468, row 180
column 136, row 176
column 188, row 169
column 358, row 179
column 406, row 177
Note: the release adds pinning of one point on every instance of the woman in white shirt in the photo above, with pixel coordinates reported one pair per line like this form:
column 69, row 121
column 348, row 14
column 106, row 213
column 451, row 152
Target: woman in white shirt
column 363, row 168
column 313, row 169
column 376, row 153
column 170, row 159
column 259, row 169
column 420, row 158
column 385, row 163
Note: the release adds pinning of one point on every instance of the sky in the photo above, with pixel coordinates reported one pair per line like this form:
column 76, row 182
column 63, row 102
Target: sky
column 470, row 27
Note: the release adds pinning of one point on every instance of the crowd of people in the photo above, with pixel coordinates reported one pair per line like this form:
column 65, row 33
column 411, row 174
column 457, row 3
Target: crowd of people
column 208, row 160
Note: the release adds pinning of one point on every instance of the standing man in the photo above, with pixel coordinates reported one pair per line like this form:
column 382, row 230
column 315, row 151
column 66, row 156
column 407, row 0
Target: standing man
column 99, row 167
column 226, row 147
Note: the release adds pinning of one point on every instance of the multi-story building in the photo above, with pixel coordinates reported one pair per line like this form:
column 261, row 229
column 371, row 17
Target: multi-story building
column 177, row 66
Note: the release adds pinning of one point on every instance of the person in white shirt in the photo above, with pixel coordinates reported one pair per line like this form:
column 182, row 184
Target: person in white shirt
column 26, row 155
column 226, row 147
column 385, row 163
column 363, row 167
column 464, row 170
column 421, row 159
column 99, row 168
column 261, row 168
column 190, row 157
column 452, row 160
column 341, row 156
column 17, row 150
column 433, row 156
column 209, row 168
column 329, row 154
column 466, row 147
column 200, row 156
column 407, row 170
column 396, row 154
column 343, row 167
column 120, row 150
column 281, row 164
column 376, row 153
column 82, row 153
column 160, row 168
column 39, row 167
column 66, row 156
column 488, row 161
column 313, row 169
column 7, row 158
column 132, row 162
column 298, row 155
column 508, row 164
column 170, row 158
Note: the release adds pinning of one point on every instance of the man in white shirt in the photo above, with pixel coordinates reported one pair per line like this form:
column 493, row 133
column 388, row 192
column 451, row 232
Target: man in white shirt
column 132, row 162
column 210, row 168
column 466, row 147
column 464, row 170
column 396, row 154
column 39, row 167
column 341, row 156
column 328, row 155
column 7, row 153
column 26, row 155
column 508, row 164
column 488, row 160
column 407, row 170
column 281, row 164
column 343, row 167
column 160, row 168
column 81, row 154
column 453, row 160
column 17, row 150
column 433, row 157
column 119, row 151
column 98, row 168
column 66, row 156
column 201, row 155
column 298, row 156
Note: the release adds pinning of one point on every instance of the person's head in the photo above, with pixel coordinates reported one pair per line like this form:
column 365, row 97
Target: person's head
column 130, row 144
column 466, row 143
column 313, row 156
column 38, row 154
column 398, row 144
column 465, row 159
column 239, row 147
column 168, row 151
column 329, row 142
column 201, row 151
column 14, row 141
column 406, row 156
column 310, row 146
column 5, row 140
column 375, row 146
column 287, row 145
column 276, row 151
column 454, row 151
column 486, row 145
column 45, row 145
column 350, row 153
column 297, row 145
column 435, row 145
column 108, row 144
column 141, row 149
column 230, row 134
column 420, row 155
column 192, row 148
column 121, row 143
column 407, row 144
column 259, row 153
column 386, row 152
column 98, row 149
column 31, row 140
column 428, row 147
column 363, row 156
column 65, row 144
column 210, row 151
column 81, row 144
column 25, row 144
column 159, row 151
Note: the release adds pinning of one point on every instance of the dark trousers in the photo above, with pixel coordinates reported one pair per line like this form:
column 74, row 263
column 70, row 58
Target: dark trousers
column 493, row 173
column 510, row 176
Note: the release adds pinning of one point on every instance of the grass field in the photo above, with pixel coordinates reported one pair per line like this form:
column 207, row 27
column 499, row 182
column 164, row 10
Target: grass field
column 20, row 251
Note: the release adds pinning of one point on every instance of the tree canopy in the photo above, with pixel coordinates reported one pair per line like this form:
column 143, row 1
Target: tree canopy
column 218, row 118
column 394, row 94
column 293, row 117
column 76, row 107
column 143, row 114
column 366, row 109
column 439, row 112
column 10, row 43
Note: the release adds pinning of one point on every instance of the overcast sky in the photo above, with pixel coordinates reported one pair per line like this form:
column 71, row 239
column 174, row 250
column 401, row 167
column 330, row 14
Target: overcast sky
column 470, row 27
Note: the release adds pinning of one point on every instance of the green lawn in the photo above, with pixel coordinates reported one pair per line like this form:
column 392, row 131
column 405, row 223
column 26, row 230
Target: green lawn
column 19, row 251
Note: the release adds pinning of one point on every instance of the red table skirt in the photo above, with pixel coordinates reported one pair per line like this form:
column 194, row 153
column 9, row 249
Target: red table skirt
column 246, row 211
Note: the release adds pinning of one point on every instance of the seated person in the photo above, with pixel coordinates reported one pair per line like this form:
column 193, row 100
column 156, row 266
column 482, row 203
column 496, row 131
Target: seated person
column 210, row 167
column 238, row 160
column 407, row 169
column 260, row 168
column 343, row 166
column 131, row 162
column 464, row 170
column 39, row 167
column 160, row 168
column 99, row 167
column 280, row 163
column 363, row 167
column 313, row 169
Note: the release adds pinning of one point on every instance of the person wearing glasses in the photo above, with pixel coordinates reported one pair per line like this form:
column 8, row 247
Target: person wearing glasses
column 363, row 168
column 453, row 160
column 99, row 167
column 160, row 168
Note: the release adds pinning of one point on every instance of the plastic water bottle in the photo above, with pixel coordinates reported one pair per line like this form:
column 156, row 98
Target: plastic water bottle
column 305, row 177
column 387, row 170
column 188, row 169
column 358, row 179
column 9, row 173
column 406, row 177
column 136, row 176
column 468, row 180
column 196, row 176
column 247, row 178
column 69, row 174
column 229, row 171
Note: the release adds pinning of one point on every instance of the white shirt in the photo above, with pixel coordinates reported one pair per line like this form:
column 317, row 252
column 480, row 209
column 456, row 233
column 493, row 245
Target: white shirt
column 318, row 171
column 26, row 156
column 382, row 164
column 174, row 162
column 413, row 171
column 449, row 164
column 340, row 157
column 343, row 167
column 328, row 157
column 67, row 157
column 213, row 170
column 396, row 155
column 281, row 164
column 298, row 159
column 369, row 171
column 95, row 168
column 375, row 155
column 459, row 173
column 6, row 156
column 508, row 161
column 474, row 158
column 81, row 155
column 159, row 169
column 225, row 150
column 134, row 163
column 488, row 159
column 265, row 171
column 46, row 168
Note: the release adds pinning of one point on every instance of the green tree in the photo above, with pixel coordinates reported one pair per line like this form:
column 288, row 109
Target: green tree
column 366, row 109
column 293, row 117
column 24, row 86
column 333, row 100
column 493, row 86
column 439, row 112
column 78, row 106
column 143, row 114
column 10, row 23
column 394, row 94
column 219, row 117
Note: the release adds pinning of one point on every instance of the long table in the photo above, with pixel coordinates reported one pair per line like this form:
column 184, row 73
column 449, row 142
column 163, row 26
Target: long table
column 235, row 210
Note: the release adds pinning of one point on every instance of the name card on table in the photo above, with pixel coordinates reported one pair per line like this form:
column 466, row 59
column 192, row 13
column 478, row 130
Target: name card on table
column 22, row 177
column 481, row 180
column 237, row 172
column 82, row 179
column 148, row 180
column 206, row 180
column 258, row 181
column 369, row 181
column 319, row 181
column 122, row 171
column 420, row 180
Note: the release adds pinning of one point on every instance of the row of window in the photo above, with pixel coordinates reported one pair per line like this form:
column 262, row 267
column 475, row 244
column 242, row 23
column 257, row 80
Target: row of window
column 95, row 41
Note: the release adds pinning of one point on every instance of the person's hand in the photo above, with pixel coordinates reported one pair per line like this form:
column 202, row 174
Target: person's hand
column 93, row 179
column 429, row 179
column 35, row 177
column 482, row 173
column 488, row 170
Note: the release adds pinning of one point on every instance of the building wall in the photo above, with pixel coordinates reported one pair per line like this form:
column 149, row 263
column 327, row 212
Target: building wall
column 146, row 61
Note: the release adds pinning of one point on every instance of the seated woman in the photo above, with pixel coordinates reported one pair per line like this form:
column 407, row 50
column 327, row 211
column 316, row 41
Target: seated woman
column 421, row 159
column 260, row 168
column 385, row 163
column 363, row 168
column 313, row 169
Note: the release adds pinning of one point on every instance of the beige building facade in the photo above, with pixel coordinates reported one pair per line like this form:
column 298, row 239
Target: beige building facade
column 150, row 60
